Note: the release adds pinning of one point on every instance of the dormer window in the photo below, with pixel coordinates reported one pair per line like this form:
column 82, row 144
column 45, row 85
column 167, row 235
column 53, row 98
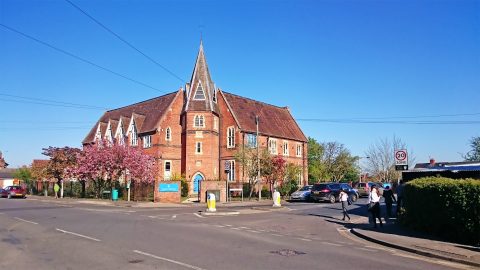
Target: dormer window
column 133, row 138
column 215, row 95
column 199, row 93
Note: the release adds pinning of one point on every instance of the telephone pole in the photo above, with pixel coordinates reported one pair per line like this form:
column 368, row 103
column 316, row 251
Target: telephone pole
column 258, row 161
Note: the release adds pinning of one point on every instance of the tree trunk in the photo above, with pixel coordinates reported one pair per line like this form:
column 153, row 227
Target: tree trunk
column 83, row 188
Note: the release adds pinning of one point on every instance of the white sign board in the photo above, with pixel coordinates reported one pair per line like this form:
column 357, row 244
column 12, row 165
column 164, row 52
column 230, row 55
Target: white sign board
column 401, row 157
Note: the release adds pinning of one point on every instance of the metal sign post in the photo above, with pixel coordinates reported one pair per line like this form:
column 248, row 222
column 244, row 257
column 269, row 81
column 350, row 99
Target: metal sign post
column 227, row 170
column 401, row 160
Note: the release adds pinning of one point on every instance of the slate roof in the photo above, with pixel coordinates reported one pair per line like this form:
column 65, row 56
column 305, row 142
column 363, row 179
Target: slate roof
column 273, row 121
column 446, row 165
column 147, row 115
column 7, row 173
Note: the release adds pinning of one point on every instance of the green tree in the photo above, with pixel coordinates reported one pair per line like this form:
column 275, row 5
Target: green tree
column 474, row 153
column 315, row 165
column 25, row 175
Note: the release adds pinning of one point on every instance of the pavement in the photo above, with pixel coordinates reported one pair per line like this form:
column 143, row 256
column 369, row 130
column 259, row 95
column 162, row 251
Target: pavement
column 395, row 236
column 391, row 235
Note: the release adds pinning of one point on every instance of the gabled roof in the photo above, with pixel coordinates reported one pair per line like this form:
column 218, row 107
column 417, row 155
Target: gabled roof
column 148, row 112
column 201, row 79
column 273, row 121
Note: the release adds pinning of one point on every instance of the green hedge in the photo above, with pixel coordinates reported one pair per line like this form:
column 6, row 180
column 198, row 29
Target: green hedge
column 445, row 207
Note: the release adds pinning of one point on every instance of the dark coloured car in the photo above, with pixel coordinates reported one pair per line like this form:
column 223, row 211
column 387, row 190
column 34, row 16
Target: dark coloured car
column 302, row 194
column 330, row 192
column 13, row 192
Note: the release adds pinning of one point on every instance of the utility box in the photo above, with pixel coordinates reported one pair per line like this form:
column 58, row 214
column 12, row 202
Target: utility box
column 216, row 192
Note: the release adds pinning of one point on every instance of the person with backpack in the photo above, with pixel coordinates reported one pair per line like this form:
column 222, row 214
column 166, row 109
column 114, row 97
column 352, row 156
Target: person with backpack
column 389, row 199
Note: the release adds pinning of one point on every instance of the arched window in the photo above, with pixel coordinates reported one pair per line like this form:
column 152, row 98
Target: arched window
column 199, row 121
column 168, row 134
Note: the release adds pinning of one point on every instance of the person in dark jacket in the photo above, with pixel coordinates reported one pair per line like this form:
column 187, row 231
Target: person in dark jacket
column 389, row 199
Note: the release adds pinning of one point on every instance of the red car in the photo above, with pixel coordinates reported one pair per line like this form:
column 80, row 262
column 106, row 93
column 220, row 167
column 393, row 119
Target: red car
column 13, row 191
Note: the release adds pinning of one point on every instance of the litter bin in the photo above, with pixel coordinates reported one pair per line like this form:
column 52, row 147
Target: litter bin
column 115, row 195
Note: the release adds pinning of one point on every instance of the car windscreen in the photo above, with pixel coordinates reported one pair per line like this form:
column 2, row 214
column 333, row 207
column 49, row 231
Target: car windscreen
column 305, row 188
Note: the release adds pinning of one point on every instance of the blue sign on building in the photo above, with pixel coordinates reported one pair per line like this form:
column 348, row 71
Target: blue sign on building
column 168, row 187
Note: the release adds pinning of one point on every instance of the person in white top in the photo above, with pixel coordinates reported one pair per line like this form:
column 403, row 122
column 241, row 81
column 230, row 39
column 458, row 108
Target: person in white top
column 374, row 205
column 344, row 199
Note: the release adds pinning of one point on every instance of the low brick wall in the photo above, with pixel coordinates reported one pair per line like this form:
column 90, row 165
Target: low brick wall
column 168, row 195
column 212, row 185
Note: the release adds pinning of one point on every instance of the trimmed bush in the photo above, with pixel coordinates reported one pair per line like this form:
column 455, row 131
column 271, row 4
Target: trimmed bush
column 445, row 207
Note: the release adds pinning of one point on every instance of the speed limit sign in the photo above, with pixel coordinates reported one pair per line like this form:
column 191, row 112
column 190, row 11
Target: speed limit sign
column 401, row 160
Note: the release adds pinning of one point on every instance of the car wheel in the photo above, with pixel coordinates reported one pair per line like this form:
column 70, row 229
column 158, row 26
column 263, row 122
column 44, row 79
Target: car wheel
column 332, row 199
column 354, row 198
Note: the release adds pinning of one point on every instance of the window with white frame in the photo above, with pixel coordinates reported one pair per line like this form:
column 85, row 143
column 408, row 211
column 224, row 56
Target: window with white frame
column 199, row 121
column 231, row 171
column 299, row 150
column 272, row 146
column 133, row 134
column 215, row 123
column 168, row 134
column 198, row 148
column 230, row 137
column 285, row 148
column 199, row 93
column 147, row 141
column 251, row 140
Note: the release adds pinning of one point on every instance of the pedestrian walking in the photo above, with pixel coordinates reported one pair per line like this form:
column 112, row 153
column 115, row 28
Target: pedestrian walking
column 344, row 199
column 389, row 199
column 374, row 205
column 399, row 191
column 56, row 188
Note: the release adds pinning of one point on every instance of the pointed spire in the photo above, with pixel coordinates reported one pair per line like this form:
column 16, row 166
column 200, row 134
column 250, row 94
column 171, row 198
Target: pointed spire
column 200, row 96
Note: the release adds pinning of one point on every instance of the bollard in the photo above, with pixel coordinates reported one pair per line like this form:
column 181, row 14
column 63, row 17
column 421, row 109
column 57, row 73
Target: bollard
column 211, row 203
column 276, row 199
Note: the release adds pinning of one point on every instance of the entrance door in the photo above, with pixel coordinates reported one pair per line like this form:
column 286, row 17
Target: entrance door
column 196, row 182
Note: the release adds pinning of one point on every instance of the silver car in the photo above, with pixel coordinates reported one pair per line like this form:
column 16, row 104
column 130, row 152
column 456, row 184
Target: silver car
column 302, row 194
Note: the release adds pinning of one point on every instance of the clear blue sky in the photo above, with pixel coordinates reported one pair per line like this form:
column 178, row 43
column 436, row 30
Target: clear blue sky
column 339, row 60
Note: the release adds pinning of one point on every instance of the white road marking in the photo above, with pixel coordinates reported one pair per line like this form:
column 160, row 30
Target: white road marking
column 305, row 239
column 366, row 249
column 198, row 215
column 27, row 221
column 252, row 231
column 331, row 244
column 245, row 228
column 234, row 228
column 174, row 216
column 168, row 260
column 79, row 235
column 219, row 226
column 228, row 225
column 279, row 235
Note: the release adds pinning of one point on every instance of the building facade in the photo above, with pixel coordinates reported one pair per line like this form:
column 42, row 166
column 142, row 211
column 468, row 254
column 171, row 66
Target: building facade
column 196, row 131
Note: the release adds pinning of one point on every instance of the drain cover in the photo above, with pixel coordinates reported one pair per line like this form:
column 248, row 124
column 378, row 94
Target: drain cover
column 288, row 252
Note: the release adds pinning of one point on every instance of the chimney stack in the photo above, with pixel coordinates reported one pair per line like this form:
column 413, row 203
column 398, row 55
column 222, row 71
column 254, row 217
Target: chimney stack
column 432, row 162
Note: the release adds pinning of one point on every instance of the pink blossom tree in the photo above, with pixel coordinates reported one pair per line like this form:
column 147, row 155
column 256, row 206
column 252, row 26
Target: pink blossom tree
column 105, row 163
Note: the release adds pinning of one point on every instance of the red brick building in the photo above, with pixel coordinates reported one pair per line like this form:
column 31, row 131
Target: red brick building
column 195, row 131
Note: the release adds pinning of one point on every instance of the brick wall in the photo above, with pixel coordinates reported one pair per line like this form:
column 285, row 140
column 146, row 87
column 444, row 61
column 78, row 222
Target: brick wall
column 212, row 185
column 167, row 197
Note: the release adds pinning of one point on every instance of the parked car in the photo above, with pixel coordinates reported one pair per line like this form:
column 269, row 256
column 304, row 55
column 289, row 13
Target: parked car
column 302, row 194
column 364, row 188
column 13, row 191
column 331, row 191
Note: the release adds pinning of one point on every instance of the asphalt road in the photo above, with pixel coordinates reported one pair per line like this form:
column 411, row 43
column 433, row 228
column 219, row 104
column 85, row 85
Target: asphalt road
column 65, row 235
